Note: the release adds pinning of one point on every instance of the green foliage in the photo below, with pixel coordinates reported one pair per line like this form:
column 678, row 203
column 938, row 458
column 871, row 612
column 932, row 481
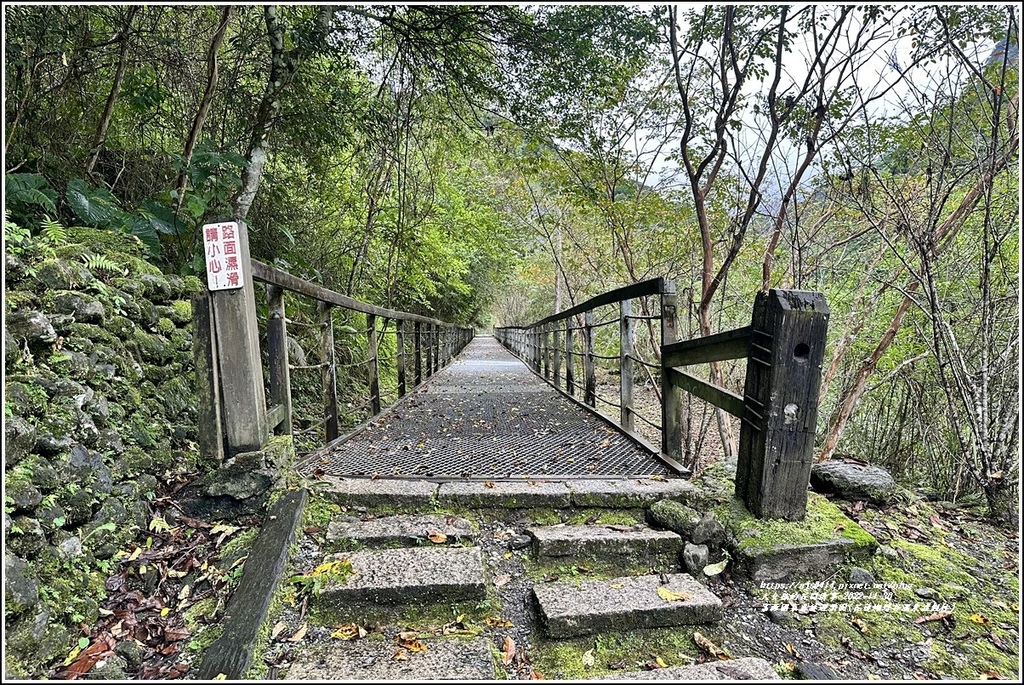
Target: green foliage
column 25, row 192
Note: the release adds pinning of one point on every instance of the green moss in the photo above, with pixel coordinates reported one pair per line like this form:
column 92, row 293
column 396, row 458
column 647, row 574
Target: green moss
column 113, row 244
column 181, row 311
column 824, row 521
column 165, row 326
column 608, row 517
column 191, row 284
column 627, row 651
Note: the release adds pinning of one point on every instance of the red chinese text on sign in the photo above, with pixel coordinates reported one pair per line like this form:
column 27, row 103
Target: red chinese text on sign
column 220, row 245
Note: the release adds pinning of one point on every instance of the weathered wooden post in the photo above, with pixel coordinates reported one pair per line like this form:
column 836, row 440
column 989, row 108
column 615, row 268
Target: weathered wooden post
column 626, row 334
column 545, row 346
column 328, row 371
column 417, row 364
column 556, row 335
column 277, row 355
column 400, row 354
column 570, row 358
column 781, row 402
column 437, row 347
column 671, row 396
column 589, row 376
column 236, row 365
column 429, row 348
column 208, row 392
column 373, row 368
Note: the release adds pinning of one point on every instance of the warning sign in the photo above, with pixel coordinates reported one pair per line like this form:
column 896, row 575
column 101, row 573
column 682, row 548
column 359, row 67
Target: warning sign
column 223, row 264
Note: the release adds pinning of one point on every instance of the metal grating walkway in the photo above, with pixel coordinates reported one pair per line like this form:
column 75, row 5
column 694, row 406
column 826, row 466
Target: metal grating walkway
column 485, row 416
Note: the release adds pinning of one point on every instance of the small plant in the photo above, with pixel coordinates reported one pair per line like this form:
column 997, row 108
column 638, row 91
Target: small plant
column 312, row 583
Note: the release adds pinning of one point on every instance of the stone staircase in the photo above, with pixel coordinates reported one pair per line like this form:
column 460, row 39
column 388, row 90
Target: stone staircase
column 402, row 565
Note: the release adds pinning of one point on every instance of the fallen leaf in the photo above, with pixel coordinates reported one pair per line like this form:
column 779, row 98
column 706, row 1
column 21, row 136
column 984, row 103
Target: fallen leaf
column 605, row 443
column 349, row 631
column 488, row 484
column 991, row 675
column 276, row 630
column 617, row 586
column 436, row 537
column 937, row 616
column 670, row 596
column 502, row 580
column 536, row 675
column 980, row 619
column 661, row 662
column 715, row 569
column 413, row 645
column 859, row 623
column 299, row 634
column 936, row 522
column 709, row 647
column 792, row 650
column 509, row 651
column 400, row 655
column 588, row 658
column 496, row 622
column 185, row 591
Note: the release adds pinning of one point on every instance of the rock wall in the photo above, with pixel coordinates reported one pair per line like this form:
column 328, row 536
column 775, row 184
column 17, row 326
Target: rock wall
column 99, row 404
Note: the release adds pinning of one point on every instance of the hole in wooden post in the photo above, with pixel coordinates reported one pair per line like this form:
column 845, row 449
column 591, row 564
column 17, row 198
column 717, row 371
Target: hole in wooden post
column 801, row 352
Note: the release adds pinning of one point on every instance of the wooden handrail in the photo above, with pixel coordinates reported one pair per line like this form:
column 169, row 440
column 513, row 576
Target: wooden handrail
column 282, row 279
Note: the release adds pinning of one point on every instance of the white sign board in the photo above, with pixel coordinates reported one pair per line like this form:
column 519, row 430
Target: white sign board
column 223, row 262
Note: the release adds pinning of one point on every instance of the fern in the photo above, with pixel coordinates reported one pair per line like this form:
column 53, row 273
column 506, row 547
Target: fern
column 101, row 263
column 53, row 233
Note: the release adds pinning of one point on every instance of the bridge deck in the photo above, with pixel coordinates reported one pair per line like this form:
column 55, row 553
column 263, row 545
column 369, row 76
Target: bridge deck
column 485, row 416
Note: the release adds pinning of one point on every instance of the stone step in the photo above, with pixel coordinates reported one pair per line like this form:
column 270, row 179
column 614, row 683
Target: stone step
column 445, row 658
column 602, row 542
column 394, row 531
column 403, row 576
column 746, row 668
column 569, row 609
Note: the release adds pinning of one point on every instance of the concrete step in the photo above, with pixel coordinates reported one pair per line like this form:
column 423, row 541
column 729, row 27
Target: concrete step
column 746, row 668
column 444, row 658
column 404, row 576
column 602, row 542
column 397, row 531
column 569, row 609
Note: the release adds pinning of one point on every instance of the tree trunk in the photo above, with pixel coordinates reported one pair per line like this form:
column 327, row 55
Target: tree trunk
column 115, row 90
column 281, row 70
column 204, row 104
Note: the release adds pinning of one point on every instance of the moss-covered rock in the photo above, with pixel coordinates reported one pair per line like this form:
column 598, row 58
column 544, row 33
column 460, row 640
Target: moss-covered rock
column 179, row 311
column 61, row 274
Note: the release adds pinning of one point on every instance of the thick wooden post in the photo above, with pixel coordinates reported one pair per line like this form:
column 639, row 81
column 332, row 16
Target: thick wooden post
column 671, row 395
column 277, row 355
column 570, row 358
column 211, row 426
column 240, row 366
column 328, row 372
column 417, row 365
column 626, row 364
column 589, row 377
column 781, row 402
column 373, row 366
column 400, row 354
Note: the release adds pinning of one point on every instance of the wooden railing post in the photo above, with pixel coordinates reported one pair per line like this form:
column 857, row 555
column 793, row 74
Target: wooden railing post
column 400, row 354
column 590, row 379
column 437, row 347
column 373, row 367
column 417, row 364
column 671, row 396
column 429, row 349
column 328, row 372
column 240, row 367
column 277, row 354
column 546, row 350
column 556, row 362
column 780, row 415
column 570, row 358
column 626, row 364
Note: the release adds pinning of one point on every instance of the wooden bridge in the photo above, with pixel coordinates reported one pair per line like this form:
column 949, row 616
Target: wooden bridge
column 467, row 409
